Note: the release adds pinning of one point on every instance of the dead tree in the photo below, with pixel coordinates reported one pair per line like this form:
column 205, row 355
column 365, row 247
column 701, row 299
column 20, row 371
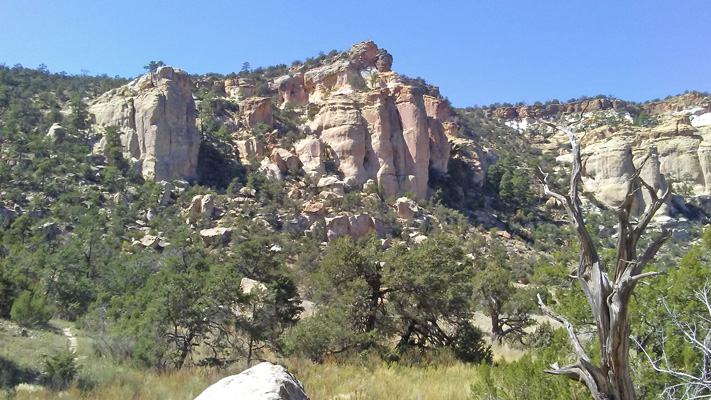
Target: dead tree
column 608, row 297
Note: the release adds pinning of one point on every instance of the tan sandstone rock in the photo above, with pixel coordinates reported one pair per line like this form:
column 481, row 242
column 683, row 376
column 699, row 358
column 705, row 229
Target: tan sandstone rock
column 202, row 204
column 216, row 236
column 255, row 111
column 355, row 226
column 406, row 208
column 156, row 115
column 249, row 148
column 285, row 160
column 311, row 154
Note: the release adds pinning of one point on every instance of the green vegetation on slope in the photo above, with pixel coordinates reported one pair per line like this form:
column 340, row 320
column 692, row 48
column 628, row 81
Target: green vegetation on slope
column 150, row 316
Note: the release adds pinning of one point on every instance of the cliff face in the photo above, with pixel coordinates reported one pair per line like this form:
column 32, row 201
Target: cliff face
column 156, row 115
column 679, row 144
column 679, row 153
column 374, row 124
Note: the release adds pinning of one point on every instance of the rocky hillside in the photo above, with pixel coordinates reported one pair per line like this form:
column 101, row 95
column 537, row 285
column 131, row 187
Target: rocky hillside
column 617, row 136
column 372, row 124
column 224, row 205
column 347, row 123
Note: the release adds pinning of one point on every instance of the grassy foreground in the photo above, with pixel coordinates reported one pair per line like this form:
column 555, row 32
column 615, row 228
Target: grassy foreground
column 25, row 350
column 321, row 382
column 328, row 381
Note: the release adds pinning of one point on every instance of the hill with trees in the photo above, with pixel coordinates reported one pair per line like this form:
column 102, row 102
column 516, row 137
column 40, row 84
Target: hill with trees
column 334, row 212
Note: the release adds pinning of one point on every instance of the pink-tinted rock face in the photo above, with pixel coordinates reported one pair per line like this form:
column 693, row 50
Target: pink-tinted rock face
column 311, row 154
column 385, row 135
column 356, row 226
column 341, row 126
column 413, row 115
column 363, row 53
column 385, row 157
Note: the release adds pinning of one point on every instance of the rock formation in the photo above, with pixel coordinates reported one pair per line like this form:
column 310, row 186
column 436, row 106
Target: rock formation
column 56, row 134
column 392, row 135
column 156, row 115
column 255, row 111
column 264, row 381
column 372, row 123
column 679, row 144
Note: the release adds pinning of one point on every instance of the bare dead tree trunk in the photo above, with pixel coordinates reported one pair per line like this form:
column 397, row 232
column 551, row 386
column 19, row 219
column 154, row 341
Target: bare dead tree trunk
column 608, row 298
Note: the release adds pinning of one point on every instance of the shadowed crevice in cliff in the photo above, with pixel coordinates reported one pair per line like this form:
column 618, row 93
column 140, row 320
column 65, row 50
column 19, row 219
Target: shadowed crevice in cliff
column 215, row 168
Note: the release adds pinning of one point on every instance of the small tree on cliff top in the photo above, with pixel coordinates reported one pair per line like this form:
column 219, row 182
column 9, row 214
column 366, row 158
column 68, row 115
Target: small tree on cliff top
column 608, row 295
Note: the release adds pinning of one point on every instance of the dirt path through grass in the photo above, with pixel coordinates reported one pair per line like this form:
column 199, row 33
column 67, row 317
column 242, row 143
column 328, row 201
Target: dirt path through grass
column 72, row 340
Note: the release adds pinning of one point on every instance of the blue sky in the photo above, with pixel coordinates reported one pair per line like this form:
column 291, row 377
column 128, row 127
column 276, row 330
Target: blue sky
column 476, row 52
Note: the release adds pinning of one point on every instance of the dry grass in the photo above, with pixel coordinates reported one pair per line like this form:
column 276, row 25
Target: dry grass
column 102, row 378
column 330, row 381
column 322, row 382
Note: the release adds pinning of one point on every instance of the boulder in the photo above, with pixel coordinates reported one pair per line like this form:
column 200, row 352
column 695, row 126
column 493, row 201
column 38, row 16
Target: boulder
column 56, row 134
column 156, row 116
column 285, row 160
column 246, row 285
column 332, row 184
column 149, row 241
column 216, row 236
column 294, row 193
column 406, row 208
column 418, row 239
column 355, row 226
column 311, row 154
column 265, row 381
column 202, row 204
column 167, row 196
column 250, row 148
column 270, row 169
column 314, row 208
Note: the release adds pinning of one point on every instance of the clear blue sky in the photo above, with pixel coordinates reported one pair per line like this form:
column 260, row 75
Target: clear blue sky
column 477, row 52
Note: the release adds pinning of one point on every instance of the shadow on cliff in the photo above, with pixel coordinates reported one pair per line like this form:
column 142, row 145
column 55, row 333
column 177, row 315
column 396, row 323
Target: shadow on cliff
column 216, row 168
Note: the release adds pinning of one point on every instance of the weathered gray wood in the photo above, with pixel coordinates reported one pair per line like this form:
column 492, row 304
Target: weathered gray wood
column 608, row 299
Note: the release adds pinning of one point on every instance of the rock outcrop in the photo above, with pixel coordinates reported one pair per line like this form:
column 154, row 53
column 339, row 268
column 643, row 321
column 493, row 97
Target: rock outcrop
column 385, row 135
column 216, row 236
column 202, row 204
column 255, row 111
column 406, row 208
column 56, row 134
column 356, row 226
column 285, row 160
column 368, row 121
column 312, row 155
column 264, row 381
column 247, row 149
column 156, row 115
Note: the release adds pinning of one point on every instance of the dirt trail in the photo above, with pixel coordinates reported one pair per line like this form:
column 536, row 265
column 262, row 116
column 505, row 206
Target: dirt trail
column 72, row 340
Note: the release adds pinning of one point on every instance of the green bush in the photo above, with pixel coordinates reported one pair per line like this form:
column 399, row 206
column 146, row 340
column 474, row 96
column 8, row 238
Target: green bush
column 60, row 370
column 469, row 346
column 30, row 310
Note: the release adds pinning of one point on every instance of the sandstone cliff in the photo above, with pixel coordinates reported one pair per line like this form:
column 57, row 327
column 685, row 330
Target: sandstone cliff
column 375, row 124
column 679, row 143
column 156, row 115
